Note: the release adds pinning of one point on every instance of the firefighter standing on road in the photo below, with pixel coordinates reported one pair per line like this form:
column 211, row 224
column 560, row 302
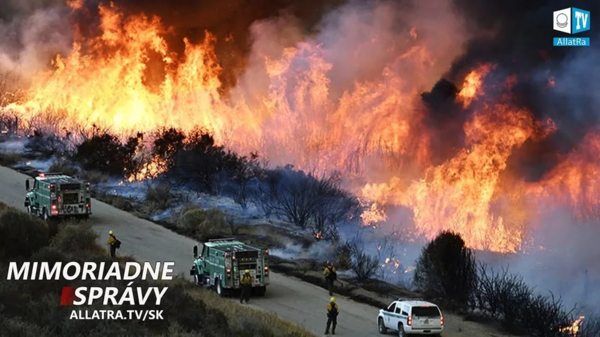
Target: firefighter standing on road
column 330, row 276
column 247, row 281
column 332, row 313
column 113, row 243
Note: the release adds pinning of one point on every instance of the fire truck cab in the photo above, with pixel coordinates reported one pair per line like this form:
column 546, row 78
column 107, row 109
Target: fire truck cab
column 222, row 263
column 53, row 195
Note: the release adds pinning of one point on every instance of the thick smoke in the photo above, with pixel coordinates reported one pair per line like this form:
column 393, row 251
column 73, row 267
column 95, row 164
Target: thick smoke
column 517, row 35
column 31, row 32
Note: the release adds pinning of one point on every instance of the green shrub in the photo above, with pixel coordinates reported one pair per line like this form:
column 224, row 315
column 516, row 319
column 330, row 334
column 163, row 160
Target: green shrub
column 121, row 203
column 159, row 197
column 64, row 167
column 205, row 224
column 21, row 235
column 76, row 238
column 9, row 158
column 446, row 269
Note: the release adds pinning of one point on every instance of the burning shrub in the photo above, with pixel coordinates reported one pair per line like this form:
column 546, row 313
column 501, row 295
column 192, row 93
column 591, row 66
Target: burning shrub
column 20, row 234
column 590, row 326
column 167, row 143
column 104, row 152
column 446, row 268
column 544, row 316
column 206, row 224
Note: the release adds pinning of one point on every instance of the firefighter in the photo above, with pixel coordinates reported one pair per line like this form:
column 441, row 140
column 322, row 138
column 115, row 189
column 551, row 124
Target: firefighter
column 113, row 243
column 332, row 313
column 247, row 281
column 330, row 276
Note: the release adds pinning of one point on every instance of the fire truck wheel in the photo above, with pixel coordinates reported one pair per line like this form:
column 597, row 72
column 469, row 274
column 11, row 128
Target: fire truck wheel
column 219, row 288
column 260, row 291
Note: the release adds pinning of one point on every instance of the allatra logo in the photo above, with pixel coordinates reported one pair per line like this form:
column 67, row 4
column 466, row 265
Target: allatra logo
column 562, row 20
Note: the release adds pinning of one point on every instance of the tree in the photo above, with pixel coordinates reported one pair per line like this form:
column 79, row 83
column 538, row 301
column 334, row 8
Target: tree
column 307, row 201
column 446, row 268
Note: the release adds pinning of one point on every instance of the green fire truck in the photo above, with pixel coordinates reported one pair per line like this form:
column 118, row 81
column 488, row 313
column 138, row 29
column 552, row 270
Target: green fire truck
column 223, row 262
column 54, row 195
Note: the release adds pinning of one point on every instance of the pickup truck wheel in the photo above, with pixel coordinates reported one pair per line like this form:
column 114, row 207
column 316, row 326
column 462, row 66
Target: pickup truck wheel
column 382, row 328
column 401, row 332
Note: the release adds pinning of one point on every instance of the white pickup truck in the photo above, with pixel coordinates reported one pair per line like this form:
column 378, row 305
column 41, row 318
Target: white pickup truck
column 410, row 316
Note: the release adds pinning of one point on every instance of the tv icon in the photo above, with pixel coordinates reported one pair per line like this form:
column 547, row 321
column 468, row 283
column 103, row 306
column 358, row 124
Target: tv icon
column 571, row 20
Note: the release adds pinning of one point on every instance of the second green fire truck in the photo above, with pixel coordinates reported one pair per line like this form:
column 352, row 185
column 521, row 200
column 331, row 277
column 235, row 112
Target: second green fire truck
column 222, row 263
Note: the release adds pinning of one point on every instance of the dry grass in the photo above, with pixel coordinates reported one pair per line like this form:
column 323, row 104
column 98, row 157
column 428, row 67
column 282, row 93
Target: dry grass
column 246, row 316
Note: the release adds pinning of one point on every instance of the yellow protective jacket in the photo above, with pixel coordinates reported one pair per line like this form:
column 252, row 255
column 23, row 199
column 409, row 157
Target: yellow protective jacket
column 111, row 240
column 330, row 307
column 326, row 272
column 247, row 280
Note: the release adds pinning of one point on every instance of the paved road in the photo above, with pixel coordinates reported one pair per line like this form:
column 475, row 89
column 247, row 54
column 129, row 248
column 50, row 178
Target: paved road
column 290, row 298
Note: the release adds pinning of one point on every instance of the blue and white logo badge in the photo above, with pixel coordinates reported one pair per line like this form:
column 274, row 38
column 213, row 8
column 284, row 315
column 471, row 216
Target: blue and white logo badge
column 572, row 20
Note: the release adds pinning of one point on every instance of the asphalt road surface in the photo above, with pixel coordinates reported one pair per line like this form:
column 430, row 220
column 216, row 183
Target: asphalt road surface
column 290, row 298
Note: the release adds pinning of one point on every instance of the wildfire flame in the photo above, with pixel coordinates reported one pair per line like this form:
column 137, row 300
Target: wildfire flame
column 372, row 130
column 573, row 329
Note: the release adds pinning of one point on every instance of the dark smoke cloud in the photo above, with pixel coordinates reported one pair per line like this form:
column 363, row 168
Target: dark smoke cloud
column 517, row 36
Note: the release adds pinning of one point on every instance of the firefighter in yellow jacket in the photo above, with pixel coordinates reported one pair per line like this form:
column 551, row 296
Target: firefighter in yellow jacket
column 332, row 313
column 330, row 276
column 246, row 282
column 113, row 243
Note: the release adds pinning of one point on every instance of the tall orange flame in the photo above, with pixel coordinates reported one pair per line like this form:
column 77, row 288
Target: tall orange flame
column 372, row 131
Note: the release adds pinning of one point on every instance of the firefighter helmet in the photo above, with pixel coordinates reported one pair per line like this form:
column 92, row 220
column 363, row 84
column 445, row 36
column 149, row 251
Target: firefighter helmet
column 247, row 271
column 110, row 232
column 332, row 300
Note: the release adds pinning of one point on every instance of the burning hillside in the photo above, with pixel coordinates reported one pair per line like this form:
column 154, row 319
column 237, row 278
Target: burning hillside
column 346, row 97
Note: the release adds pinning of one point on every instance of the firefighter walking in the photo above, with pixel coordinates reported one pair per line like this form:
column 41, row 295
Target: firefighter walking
column 246, row 282
column 330, row 276
column 332, row 313
column 113, row 243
